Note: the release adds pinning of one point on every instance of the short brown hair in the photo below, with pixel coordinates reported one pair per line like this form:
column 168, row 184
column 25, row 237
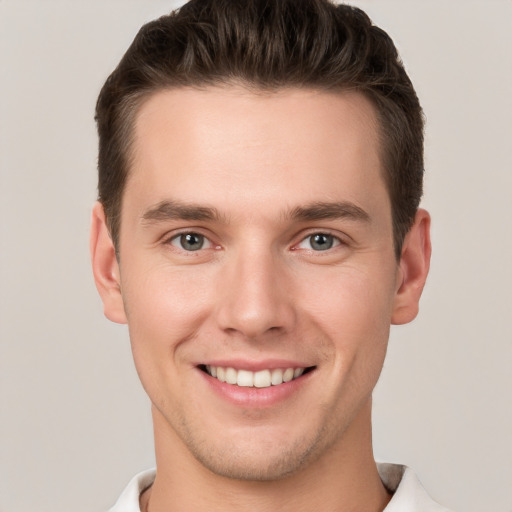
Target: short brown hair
column 268, row 45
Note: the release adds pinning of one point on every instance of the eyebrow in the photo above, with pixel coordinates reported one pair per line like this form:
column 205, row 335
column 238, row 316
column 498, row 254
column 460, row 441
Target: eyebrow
column 328, row 210
column 173, row 210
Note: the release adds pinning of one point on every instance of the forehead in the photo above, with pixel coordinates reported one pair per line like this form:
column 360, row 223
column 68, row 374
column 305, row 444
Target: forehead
column 230, row 143
column 236, row 112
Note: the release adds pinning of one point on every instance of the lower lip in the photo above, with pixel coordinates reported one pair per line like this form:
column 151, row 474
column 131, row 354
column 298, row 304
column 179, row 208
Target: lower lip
column 256, row 397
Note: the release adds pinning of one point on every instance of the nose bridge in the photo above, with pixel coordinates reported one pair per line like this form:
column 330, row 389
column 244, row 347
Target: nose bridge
column 254, row 294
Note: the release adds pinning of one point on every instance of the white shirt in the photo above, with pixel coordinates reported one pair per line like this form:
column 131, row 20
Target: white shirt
column 408, row 493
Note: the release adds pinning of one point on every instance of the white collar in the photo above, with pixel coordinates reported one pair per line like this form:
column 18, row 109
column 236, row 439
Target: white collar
column 408, row 493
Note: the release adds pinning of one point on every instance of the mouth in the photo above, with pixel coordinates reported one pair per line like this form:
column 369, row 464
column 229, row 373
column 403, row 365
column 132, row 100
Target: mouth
column 260, row 379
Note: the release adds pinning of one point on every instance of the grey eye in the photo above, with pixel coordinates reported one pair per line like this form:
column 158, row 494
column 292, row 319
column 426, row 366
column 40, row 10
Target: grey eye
column 321, row 241
column 190, row 241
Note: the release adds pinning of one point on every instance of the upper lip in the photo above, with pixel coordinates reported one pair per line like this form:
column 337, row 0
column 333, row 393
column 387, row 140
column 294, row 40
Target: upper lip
column 255, row 366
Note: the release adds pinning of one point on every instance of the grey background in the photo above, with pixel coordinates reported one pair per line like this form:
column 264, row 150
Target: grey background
column 75, row 424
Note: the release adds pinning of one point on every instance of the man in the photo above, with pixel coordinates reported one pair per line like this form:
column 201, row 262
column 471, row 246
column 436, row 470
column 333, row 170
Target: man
column 258, row 229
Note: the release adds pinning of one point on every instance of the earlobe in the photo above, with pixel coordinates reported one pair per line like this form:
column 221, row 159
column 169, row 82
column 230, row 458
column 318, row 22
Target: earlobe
column 105, row 267
column 413, row 271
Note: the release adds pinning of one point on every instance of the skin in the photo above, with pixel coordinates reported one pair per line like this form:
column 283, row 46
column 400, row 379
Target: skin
column 258, row 291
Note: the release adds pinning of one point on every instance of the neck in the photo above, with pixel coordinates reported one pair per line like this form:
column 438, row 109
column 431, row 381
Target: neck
column 344, row 477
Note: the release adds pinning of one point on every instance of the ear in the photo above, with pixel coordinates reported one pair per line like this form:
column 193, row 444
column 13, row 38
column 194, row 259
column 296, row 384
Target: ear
column 413, row 269
column 105, row 267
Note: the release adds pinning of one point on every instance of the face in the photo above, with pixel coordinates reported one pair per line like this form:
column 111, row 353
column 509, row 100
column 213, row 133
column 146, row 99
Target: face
column 257, row 273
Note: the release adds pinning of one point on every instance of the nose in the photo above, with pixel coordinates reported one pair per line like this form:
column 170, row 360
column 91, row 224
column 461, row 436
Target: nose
column 255, row 295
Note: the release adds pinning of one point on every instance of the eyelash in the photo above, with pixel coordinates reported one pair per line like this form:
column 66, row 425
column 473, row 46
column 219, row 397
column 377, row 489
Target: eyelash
column 332, row 242
column 179, row 238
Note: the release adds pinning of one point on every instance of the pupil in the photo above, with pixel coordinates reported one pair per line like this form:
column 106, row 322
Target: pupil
column 321, row 242
column 192, row 241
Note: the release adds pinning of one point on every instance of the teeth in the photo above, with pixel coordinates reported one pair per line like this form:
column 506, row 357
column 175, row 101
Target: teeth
column 277, row 377
column 231, row 375
column 298, row 372
column 245, row 378
column 261, row 379
column 288, row 375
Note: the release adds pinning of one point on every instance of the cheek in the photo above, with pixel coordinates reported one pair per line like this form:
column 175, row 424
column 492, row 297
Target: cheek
column 163, row 296
column 351, row 298
column 165, row 307
column 354, row 309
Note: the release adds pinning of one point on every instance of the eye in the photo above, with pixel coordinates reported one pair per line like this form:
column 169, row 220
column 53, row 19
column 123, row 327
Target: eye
column 190, row 242
column 319, row 242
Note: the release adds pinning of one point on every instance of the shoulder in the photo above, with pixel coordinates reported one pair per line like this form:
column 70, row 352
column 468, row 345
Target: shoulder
column 408, row 493
column 129, row 499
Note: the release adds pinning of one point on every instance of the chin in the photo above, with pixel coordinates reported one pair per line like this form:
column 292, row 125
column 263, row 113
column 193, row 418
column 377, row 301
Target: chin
column 249, row 467
column 258, row 460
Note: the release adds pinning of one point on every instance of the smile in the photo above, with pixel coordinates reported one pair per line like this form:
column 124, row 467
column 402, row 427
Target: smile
column 259, row 379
